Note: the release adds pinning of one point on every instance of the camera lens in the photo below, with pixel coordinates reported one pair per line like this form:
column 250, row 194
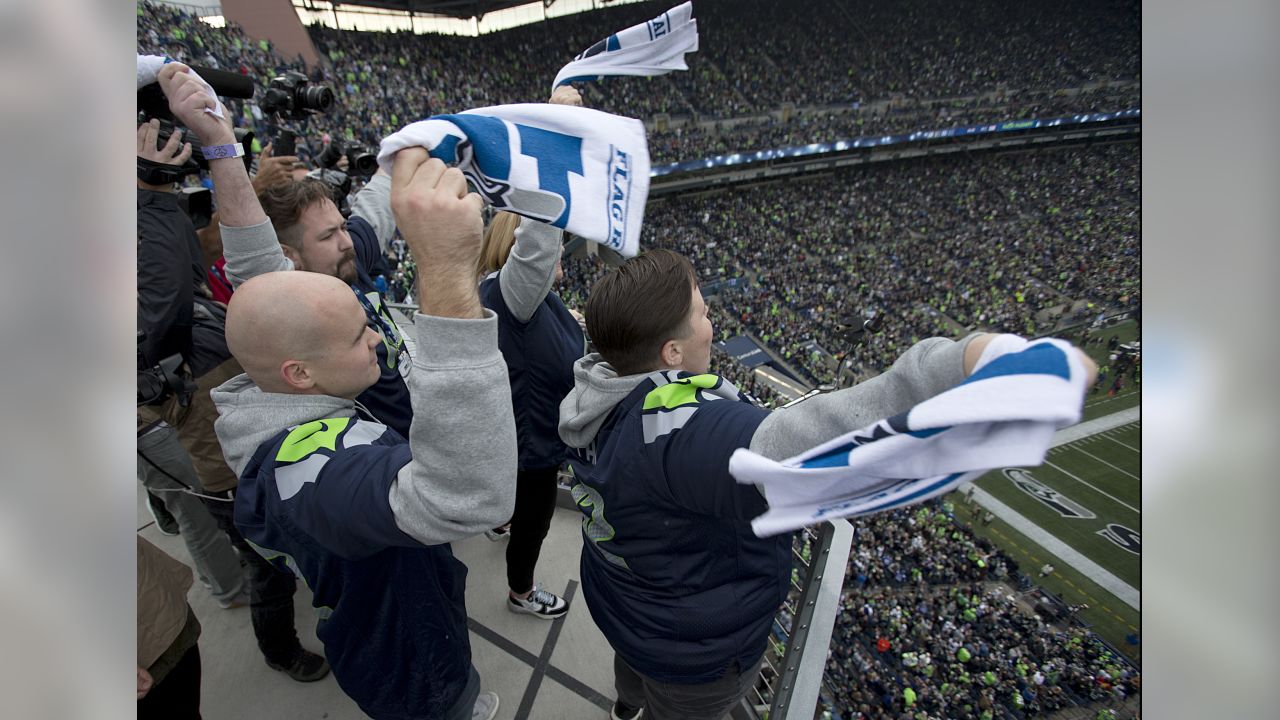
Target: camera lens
column 318, row 98
column 363, row 164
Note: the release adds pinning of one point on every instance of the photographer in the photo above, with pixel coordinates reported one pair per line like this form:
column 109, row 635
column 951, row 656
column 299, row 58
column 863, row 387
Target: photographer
column 298, row 225
column 168, row 260
column 176, row 315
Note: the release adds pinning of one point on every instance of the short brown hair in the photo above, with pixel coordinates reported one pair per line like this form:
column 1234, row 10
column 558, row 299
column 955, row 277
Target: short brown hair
column 284, row 204
column 639, row 306
column 498, row 239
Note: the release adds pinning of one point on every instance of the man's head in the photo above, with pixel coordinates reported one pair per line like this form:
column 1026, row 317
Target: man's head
column 649, row 315
column 313, row 234
column 303, row 334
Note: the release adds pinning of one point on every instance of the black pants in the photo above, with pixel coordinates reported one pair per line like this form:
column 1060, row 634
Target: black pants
column 177, row 697
column 535, row 503
column 270, row 591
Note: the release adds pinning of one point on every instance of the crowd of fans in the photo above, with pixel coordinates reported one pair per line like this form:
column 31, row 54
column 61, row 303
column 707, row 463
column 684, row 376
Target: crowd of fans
column 963, row 652
column 889, row 68
column 937, row 246
column 928, row 630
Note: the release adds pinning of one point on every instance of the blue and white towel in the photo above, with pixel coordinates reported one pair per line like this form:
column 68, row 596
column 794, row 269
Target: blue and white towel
column 655, row 47
column 149, row 69
column 581, row 170
column 1004, row 414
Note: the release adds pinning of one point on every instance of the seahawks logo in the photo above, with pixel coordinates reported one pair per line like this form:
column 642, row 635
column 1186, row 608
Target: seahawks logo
column 1054, row 500
column 1127, row 539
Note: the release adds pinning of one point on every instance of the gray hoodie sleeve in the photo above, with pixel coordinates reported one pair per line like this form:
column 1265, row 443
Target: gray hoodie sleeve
column 526, row 278
column 924, row 370
column 373, row 203
column 251, row 251
column 462, row 478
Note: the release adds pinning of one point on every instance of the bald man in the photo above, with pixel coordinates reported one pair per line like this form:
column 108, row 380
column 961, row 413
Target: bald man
column 344, row 500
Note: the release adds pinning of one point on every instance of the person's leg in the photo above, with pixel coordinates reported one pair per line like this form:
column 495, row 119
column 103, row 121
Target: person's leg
column 462, row 708
column 166, row 523
column 630, row 688
column 535, row 504
column 708, row 701
column 164, row 467
column 177, row 697
column 270, row 590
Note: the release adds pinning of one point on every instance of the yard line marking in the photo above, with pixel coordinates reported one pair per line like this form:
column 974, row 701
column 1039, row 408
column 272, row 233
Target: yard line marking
column 1104, row 462
column 1126, row 445
column 1099, row 490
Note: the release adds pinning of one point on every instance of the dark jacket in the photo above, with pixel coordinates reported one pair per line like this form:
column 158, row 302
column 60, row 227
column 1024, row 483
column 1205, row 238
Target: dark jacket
column 173, row 309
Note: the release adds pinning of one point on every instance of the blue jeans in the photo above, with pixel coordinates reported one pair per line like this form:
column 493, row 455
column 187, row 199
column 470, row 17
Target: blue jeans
column 216, row 562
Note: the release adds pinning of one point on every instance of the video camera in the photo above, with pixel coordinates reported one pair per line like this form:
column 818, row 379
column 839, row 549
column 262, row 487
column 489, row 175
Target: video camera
column 152, row 104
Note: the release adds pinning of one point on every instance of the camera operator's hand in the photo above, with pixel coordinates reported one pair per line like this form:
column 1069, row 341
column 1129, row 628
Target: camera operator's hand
column 174, row 152
column 566, row 95
column 441, row 223
column 188, row 98
column 273, row 170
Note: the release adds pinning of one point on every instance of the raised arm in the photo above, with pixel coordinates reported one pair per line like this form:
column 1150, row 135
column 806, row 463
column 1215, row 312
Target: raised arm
column 461, row 480
column 924, row 370
column 531, row 268
column 249, row 242
column 373, row 203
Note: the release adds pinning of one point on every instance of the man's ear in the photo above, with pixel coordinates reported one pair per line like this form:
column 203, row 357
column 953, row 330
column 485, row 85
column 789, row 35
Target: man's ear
column 672, row 353
column 297, row 375
column 293, row 256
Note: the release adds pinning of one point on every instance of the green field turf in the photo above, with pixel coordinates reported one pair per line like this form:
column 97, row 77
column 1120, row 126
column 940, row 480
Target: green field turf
column 1100, row 474
column 1099, row 404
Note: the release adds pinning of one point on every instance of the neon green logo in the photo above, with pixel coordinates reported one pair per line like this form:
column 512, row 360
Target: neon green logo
column 306, row 439
column 679, row 392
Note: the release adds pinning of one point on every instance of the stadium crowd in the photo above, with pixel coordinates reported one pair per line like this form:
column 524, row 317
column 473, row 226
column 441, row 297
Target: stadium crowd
column 903, row 67
column 929, row 630
column 934, row 246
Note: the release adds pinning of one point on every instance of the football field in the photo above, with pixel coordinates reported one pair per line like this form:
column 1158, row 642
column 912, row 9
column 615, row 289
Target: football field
column 1081, row 513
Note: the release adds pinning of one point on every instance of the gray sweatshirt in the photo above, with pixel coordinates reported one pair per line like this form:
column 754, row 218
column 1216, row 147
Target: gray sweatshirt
column 461, row 478
column 924, row 370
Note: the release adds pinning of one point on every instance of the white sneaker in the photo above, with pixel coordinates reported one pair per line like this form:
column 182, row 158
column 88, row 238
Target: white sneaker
column 540, row 603
column 486, row 707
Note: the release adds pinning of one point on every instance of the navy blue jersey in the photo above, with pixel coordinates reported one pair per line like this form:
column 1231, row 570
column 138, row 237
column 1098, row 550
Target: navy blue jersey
column 675, row 578
column 314, row 500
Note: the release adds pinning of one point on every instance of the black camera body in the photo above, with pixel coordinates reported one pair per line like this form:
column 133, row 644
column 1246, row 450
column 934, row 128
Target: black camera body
column 293, row 96
column 169, row 377
column 360, row 162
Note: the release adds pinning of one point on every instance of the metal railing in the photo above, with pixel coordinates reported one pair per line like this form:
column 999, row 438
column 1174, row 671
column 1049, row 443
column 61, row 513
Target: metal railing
column 794, row 664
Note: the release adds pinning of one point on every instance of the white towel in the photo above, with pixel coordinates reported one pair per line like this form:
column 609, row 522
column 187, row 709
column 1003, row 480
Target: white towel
column 581, row 170
column 655, row 47
column 149, row 69
column 1002, row 415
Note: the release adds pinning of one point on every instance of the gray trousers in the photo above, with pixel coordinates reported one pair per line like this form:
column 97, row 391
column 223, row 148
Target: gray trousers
column 669, row 701
column 216, row 561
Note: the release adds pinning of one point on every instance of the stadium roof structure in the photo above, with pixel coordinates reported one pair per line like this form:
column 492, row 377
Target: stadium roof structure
column 461, row 9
